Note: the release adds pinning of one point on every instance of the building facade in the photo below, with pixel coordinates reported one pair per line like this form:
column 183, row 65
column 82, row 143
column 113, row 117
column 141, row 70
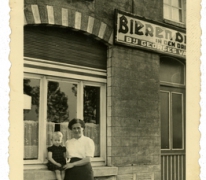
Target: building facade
column 119, row 65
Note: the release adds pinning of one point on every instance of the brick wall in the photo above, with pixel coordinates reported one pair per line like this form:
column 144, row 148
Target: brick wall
column 151, row 9
column 104, row 9
column 134, row 132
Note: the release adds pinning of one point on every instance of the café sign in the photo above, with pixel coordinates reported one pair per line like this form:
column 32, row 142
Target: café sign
column 137, row 32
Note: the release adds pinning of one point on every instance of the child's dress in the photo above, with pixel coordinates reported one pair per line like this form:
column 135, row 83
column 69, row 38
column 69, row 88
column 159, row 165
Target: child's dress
column 58, row 156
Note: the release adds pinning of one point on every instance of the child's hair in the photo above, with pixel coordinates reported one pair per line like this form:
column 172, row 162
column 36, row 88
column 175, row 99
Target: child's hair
column 57, row 134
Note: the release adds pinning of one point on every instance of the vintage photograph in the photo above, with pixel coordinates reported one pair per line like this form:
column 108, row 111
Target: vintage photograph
column 104, row 90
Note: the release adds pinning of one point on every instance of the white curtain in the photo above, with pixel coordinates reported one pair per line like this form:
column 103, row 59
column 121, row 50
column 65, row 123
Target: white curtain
column 31, row 136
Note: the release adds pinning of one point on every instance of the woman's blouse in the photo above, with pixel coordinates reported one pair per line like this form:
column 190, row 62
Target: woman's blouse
column 81, row 148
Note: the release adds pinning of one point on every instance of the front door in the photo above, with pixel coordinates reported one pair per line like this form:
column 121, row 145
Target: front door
column 172, row 105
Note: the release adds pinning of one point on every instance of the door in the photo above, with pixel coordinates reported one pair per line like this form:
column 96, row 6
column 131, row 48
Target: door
column 172, row 111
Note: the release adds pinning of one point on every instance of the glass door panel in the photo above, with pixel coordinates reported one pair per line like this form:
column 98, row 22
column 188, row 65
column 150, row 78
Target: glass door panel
column 172, row 118
column 172, row 72
column 177, row 117
column 164, row 100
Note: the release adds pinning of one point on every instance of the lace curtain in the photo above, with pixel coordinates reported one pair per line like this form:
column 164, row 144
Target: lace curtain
column 31, row 136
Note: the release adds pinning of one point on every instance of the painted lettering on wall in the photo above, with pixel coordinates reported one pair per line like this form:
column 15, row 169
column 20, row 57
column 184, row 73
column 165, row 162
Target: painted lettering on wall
column 135, row 32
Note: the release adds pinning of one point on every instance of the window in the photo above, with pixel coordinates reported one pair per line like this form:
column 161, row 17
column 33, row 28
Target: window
column 53, row 98
column 31, row 118
column 173, row 10
column 172, row 102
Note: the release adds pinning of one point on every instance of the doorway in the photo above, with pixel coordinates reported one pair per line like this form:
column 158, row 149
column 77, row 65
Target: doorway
column 172, row 111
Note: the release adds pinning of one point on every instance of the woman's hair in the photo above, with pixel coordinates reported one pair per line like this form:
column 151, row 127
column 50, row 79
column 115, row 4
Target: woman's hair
column 57, row 134
column 75, row 121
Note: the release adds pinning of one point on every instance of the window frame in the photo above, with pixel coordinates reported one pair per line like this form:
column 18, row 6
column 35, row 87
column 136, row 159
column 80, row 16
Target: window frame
column 172, row 84
column 40, row 158
column 34, row 68
column 181, row 87
column 180, row 8
column 170, row 148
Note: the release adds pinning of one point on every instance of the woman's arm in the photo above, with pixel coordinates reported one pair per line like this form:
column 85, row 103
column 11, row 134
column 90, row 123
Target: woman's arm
column 52, row 160
column 78, row 163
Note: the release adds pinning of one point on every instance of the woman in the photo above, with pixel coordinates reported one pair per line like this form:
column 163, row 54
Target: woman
column 79, row 149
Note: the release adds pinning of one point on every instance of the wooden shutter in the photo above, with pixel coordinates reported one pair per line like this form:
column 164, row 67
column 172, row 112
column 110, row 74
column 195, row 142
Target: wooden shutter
column 64, row 45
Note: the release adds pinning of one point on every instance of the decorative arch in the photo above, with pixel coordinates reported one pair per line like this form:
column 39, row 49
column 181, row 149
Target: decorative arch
column 51, row 15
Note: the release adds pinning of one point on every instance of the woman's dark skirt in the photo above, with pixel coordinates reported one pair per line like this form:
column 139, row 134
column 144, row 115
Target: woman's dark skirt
column 79, row 172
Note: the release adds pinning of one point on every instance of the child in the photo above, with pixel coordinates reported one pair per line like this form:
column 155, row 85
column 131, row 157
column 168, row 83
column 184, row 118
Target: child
column 56, row 156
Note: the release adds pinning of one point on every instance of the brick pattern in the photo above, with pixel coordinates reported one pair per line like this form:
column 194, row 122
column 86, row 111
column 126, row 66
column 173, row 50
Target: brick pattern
column 39, row 174
column 144, row 172
column 55, row 15
column 134, row 131
column 109, row 106
column 106, row 178
column 151, row 9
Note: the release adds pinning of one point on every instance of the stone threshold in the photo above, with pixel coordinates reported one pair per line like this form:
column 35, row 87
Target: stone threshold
column 45, row 174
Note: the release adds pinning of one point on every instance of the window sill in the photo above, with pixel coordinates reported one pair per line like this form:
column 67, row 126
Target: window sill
column 182, row 25
column 46, row 174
